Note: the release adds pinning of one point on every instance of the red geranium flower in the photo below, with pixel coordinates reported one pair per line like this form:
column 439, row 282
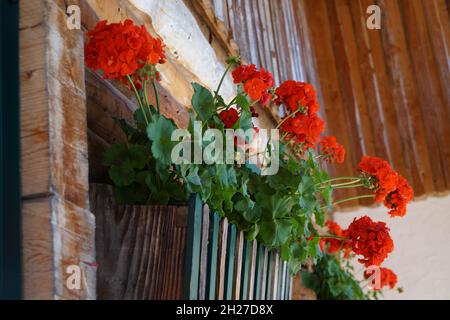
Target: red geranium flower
column 369, row 239
column 256, row 83
column 121, row 49
column 399, row 198
column 295, row 94
column 383, row 178
column 387, row 278
column 332, row 150
column 303, row 129
column 255, row 88
column 334, row 244
column 229, row 117
column 244, row 73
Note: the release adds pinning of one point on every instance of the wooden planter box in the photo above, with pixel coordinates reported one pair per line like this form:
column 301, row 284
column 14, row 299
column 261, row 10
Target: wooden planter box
column 139, row 249
column 170, row 252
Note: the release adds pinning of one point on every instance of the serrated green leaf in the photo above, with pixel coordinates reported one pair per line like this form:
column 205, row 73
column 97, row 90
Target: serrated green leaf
column 275, row 232
column 159, row 131
column 203, row 102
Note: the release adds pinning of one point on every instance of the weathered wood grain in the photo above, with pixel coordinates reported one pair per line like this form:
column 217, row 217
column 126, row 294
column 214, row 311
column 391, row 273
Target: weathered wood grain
column 379, row 89
column 223, row 241
column 140, row 249
column 54, row 154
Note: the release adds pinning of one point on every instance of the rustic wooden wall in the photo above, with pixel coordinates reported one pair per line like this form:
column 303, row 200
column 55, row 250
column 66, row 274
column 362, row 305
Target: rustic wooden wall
column 383, row 92
column 58, row 229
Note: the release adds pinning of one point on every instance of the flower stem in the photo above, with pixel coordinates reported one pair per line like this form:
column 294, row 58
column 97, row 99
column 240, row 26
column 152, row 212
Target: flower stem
column 338, row 179
column 346, row 183
column 216, row 93
column 350, row 199
column 342, row 178
column 156, row 94
column 331, row 236
column 138, row 97
column 347, row 186
column 288, row 117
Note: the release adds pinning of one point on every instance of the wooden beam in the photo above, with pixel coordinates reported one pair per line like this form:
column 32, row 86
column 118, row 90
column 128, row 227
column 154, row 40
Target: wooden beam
column 54, row 152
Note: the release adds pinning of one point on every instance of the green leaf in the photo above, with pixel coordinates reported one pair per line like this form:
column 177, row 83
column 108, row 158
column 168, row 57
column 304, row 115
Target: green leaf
column 141, row 120
column 203, row 102
column 320, row 216
column 275, row 232
column 245, row 120
column 138, row 155
column 251, row 214
column 159, row 131
column 310, row 280
column 116, row 154
column 122, row 175
column 243, row 102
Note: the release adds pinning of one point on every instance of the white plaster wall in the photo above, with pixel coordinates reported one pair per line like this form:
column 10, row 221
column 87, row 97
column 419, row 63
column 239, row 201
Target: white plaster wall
column 177, row 27
column 421, row 257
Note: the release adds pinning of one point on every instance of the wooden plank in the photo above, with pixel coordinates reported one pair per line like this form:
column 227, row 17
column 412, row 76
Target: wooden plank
column 433, row 101
column 252, row 271
column 275, row 276
column 270, row 266
column 212, row 254
column 263, row 277
column 404, row 88
column 281, row 280
column 194, row 233
column 246, row 270
column 438, row 22
column 206, row 12
column 230, row 274
column 37, row 249
column 259, row 272
column 239, row 265
column 223, row 232
column 350, row 79
column 54, row 144
column 204, row 254
column 140, row 249
column 319, row 32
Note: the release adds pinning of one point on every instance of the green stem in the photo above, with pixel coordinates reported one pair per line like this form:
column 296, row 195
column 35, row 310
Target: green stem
column 349, row 186
column 221, row 81
column 350, row 199
column 145, row 93
column 156, row 94
column 331, row 236
column 288, row 117
column 345, row 183
column 339, row 178
column 231, row 103
column 138, row 97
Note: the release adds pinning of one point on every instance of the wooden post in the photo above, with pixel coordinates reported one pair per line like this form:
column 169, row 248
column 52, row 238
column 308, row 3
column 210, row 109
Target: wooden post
column 58, row 228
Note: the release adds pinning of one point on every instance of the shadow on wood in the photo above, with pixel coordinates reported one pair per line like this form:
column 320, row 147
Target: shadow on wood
column 140, row 249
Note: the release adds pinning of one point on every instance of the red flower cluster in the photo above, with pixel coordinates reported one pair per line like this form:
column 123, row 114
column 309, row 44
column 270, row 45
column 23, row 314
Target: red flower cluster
column 387, row 278
column 334, row 245
column 384, row 178
column 295, row 94
column 369, row 239
column 229, row 117
column 332, row 150
column 303, row 129
column 256, row 83
column 120, row 49
column 399, row 198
